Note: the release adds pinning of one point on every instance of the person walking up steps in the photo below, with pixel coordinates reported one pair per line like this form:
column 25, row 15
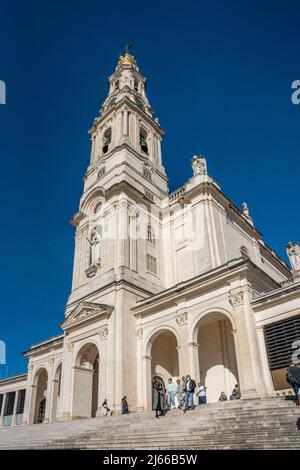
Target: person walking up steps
column 190, row 386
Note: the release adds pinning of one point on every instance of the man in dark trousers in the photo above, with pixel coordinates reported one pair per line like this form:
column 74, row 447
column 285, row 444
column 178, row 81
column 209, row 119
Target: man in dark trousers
column 189, row 389
column 293, row 378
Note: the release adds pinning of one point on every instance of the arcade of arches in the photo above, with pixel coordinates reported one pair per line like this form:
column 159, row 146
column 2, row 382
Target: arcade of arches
column 217, row 365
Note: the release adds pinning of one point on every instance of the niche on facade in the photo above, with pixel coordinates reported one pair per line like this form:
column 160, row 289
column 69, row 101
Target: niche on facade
column 95, row 242
column 106, row 140
column 143, row 140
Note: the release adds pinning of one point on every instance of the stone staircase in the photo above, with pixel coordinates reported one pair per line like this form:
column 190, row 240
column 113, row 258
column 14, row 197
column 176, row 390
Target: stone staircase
column 267, row 423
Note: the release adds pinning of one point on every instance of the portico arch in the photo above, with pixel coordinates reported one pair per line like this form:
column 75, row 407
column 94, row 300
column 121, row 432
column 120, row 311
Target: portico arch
column 160, row 359
column 86, row 382
column 39, row 396
column 216, row 354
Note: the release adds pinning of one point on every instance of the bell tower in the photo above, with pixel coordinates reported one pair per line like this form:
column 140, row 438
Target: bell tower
column 124, row 186
column 126, row 119
column 118, row 252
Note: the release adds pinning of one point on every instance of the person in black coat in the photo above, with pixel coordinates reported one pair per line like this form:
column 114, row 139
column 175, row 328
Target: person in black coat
column 158, row 404
column 189, row 389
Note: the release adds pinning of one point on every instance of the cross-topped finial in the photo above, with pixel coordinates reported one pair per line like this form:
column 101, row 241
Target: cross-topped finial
column 127, row 48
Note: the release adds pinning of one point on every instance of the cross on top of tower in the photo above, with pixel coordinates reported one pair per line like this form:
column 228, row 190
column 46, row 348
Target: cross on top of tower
column 127, row 48
column 126, row 57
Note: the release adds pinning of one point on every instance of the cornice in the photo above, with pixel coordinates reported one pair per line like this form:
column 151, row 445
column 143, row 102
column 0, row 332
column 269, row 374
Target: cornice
column 276, row 297
column 77, row 218
column 15, row 379
column 45, row 346
column 110, row 287
column 218, row 277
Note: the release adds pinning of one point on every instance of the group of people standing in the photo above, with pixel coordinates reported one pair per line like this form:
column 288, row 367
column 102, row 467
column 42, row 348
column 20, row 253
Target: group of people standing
column 179, row 394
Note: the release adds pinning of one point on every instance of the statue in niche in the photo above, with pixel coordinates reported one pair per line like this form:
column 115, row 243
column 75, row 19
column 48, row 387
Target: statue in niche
column 199, row 165
column 293, row 252
column 95, row 247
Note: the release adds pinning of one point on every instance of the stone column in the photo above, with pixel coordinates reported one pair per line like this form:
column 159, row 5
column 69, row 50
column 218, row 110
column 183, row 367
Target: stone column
column 117, row 367
column 15, row 408
column 32, row 403
column 54, row 400
column 125, row 122
column 93, row 149
column 102, row 374
column 249, row 366
column 122, row 236
column 67, row 382
column 99, row 151
column 135, row 132
column 147, row 385
column 151, row 145
column 194, row 360
column 238, row 360
column 159, row 158
column 139, row 383
column 133, row 256
column 264, row 358
column 48, row 400
column 13, row 423
column 154, row 147
column 183, row 348
column 225, row 356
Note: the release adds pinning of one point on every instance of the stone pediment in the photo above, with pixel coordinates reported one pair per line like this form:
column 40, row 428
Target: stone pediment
column 85, row 312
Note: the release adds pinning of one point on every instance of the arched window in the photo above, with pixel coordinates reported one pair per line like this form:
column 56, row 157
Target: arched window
column 143, row 141
column 117, row 85
column 136, row 85
column 106, row 140
column 150, row 234
column 41, row 411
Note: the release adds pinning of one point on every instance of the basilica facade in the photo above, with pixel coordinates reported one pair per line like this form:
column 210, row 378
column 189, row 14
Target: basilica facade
column 164, row 285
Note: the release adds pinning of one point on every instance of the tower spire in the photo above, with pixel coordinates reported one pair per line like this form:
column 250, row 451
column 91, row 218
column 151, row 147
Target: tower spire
column 126, row 57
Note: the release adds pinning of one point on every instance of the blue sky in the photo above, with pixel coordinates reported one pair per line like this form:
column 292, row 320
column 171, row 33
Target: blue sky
column 219, row 79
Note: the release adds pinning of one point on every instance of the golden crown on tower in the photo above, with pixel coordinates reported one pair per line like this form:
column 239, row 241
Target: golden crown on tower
column 127, row 58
